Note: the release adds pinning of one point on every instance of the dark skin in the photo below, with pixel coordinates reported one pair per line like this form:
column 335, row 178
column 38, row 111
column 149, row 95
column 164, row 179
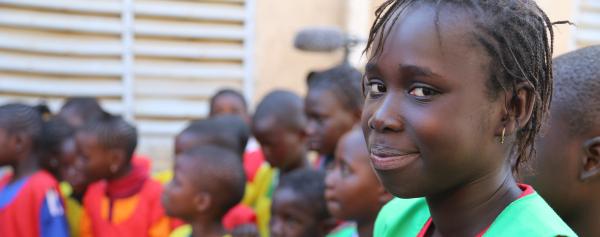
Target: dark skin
column 566, row 172
column 100, row 162
column 227, row 104
column 352, row 174
column 16, row 152
column 186, row 141
column 284, row 148
column 328, row 120
column 431, row 127
column 185, row 198
column 291, row 216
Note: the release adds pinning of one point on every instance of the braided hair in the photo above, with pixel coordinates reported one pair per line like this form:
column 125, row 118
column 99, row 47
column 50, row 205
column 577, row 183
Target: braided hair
column 21, row 118
column 518, row 37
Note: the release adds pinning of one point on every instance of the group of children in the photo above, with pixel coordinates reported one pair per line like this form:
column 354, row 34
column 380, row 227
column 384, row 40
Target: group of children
column 433, row 140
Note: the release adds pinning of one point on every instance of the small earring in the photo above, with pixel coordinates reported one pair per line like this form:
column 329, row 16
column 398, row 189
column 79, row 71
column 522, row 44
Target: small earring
column 502, row 137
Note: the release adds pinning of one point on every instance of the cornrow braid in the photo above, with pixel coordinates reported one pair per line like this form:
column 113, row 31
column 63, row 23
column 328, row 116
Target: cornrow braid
column 114, row 132
column 21, row 118
column 518, row 37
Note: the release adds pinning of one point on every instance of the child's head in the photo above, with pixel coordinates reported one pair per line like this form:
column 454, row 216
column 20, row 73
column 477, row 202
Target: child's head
column 20, row 133
column 229, row 102
column 333, row 105
column 299, row 208
column 79, row 110
column 567, row 163
column 207, row 182
column 453, row 88
column 351, row 174
column 58, row 147
column 107, row 145
column 278, row 125
column 227, row 131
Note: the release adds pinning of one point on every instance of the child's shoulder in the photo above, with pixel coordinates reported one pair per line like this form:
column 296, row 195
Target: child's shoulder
column 405, row 217
column 531, row 215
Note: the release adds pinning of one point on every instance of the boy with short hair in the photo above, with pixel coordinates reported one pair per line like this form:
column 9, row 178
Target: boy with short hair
column 278, row 125
column 208, row 182
column 567, row 162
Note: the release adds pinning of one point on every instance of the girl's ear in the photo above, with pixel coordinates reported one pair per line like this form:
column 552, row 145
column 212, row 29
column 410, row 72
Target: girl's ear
column 202, row 201
column 519, row 105
column 18, row 141
column 116, row 159
column 590, row 165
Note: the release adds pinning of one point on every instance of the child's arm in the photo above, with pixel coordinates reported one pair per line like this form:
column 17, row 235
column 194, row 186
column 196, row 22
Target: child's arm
column 52, row 217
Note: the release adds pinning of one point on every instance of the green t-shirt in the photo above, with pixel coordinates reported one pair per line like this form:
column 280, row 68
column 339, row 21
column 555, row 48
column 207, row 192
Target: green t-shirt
column 527, row 216
column 346, row 230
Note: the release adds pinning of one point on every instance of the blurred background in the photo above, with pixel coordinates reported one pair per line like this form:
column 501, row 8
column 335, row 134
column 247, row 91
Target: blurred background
column 157, row 62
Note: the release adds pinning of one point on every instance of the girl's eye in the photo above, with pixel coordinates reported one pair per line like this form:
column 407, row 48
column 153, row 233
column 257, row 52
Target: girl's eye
column 422, row 92
column 376, row 88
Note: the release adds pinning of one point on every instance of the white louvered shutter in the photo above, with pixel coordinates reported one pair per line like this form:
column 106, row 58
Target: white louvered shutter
column 588, row 23
column 183, row 51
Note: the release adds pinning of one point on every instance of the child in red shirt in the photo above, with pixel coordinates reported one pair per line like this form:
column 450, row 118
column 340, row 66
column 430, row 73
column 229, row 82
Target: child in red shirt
column 124, row 200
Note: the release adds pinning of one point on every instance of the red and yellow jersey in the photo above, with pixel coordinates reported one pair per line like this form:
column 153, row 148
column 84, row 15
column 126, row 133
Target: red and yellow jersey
column 110, row 211
column 31, row 207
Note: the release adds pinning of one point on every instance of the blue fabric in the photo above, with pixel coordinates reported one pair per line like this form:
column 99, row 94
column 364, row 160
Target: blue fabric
column 53, row 222
column 10, row 191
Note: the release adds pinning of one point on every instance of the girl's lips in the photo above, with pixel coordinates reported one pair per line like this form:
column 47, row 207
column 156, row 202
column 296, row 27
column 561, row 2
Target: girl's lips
column 393, row 162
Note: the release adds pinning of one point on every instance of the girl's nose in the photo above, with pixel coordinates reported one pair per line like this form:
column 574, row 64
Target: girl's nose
column 386, row 118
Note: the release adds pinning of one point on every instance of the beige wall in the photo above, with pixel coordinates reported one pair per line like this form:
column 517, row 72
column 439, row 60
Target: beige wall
column 279, row 65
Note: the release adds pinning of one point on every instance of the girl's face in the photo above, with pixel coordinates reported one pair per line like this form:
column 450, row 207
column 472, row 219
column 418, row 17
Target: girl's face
column 327, row 120
column 350, row 175
column 428, row 118
column 95, row 161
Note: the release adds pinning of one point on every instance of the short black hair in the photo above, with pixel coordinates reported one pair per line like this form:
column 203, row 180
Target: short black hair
column 577, row 87
column 21, row 118
column 309, row 185
column 285, row 107
column 220, row 171
column 227, row 91
column 87, row 108
column 227, row 131
column 54, row 133
column 344, row 81
column 518, row 37
column 114, row 132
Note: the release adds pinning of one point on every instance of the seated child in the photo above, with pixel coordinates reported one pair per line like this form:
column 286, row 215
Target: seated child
column 278, row 125
column 333, row 106
column 351, row 174
column 123, row 201
column 59, row 152
column 453, row 91
column 232, row 102
column 228, row 132
column 208, row 182
column 30, row 203
column 567, row 163
column 299, row 208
